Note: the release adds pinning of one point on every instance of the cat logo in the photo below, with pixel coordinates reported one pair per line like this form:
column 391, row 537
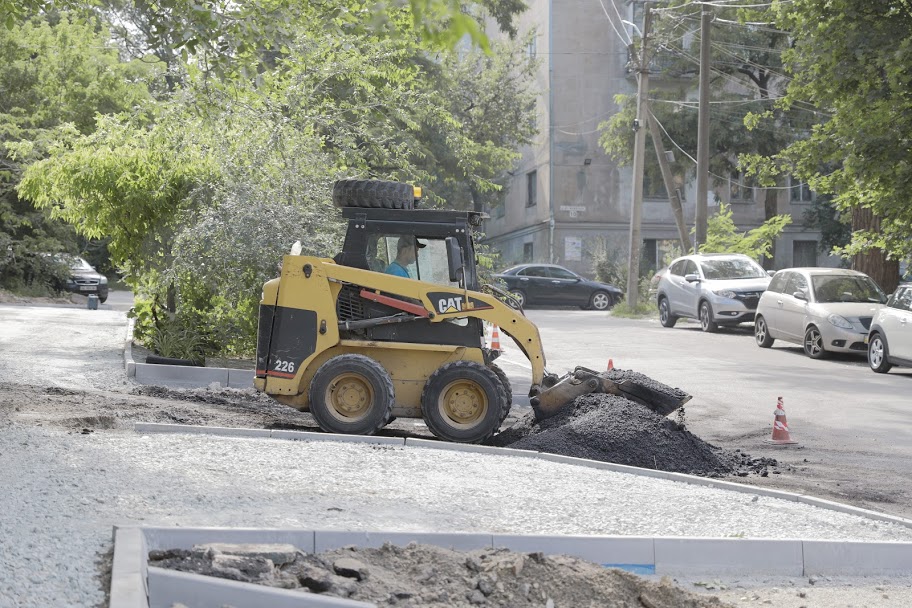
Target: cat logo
column 447, row 302
column 445, row 305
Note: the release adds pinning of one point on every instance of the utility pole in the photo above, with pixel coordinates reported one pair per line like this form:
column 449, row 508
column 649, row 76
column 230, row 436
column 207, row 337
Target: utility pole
column 639, row 148
column 674, row 195
column 703, row 134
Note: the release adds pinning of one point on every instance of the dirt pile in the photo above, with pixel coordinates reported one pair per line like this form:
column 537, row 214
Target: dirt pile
column 610, row 428
column 433, row 577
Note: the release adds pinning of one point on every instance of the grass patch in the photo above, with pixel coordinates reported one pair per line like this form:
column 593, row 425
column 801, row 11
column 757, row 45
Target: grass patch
column 643, row 309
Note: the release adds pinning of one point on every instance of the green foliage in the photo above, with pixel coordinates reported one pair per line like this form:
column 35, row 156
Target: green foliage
column 722, row 236
column 644, row 308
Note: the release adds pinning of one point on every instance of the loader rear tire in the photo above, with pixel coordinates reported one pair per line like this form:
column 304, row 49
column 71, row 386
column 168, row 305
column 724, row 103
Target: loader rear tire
column 352, row 394
column 373, row 193
column 507, row 388
column 464, row 402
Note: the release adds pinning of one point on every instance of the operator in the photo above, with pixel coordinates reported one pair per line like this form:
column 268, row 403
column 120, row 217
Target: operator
column 407, row 253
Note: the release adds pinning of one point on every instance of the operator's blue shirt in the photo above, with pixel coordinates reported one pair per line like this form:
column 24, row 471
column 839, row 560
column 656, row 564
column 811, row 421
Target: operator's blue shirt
column 397, row 269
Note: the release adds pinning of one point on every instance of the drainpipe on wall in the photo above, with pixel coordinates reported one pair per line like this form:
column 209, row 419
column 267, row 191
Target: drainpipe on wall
column 550, row 132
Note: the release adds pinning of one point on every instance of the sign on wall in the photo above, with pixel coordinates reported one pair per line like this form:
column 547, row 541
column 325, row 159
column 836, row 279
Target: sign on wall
column 573, row 248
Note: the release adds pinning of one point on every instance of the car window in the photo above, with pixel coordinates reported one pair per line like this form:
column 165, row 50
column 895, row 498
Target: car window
column 690, row 267
column 560, row 273
column 677, row 268
column 533, row 271
column 430, row 265
column 732, row 268
column 796, row 282
column 777, row 285
column 903, row 299
column 847, row 288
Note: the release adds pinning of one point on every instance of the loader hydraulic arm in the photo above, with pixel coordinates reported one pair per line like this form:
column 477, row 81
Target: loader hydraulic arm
column 441, row 303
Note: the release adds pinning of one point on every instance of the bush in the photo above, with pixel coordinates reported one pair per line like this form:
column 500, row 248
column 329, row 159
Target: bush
column 643, row 309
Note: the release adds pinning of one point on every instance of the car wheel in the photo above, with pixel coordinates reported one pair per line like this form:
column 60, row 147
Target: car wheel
column 351, row 394
column 600, row 300
column 103, row 297
column 464, row 402
column 878, row 355
column 761, row 333
column 813, row 343
column 520, row 297
column 665, row 317
column 707, row 323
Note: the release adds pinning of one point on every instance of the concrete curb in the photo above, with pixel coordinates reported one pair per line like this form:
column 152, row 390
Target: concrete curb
column 143, row 427
column 181, row 376
column 135, row 582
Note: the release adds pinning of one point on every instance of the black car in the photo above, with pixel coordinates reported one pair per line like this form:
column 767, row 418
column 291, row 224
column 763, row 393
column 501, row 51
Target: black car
column 551, row 284
column 83, row 278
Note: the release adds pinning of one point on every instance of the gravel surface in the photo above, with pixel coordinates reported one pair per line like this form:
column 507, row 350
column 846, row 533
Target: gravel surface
column 72, row 469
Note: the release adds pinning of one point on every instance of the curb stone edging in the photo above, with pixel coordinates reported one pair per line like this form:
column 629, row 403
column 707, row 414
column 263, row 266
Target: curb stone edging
column 134, row 584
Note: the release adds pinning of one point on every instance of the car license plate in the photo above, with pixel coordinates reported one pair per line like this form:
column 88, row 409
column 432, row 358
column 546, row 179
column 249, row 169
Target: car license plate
column 86, row 288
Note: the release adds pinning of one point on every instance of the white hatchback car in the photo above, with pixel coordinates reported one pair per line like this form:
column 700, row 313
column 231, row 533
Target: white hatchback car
column 823, row 309
column 716, row 288
column 890, row 339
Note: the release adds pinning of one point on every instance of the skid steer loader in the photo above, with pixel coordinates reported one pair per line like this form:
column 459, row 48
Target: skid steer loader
column 393, row 326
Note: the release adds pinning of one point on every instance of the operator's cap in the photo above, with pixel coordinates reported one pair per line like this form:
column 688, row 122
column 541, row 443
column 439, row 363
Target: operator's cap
column 408, row 241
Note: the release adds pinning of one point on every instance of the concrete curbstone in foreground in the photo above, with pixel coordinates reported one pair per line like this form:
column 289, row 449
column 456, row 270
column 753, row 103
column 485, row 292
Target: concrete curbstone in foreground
column 154, row 427
column 856, row 558
column 728, row 556
column 339, row 438
column 327, row 540
column 632, row 553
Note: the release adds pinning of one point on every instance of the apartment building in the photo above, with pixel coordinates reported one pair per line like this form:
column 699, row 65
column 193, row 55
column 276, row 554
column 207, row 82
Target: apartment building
column 566, row 199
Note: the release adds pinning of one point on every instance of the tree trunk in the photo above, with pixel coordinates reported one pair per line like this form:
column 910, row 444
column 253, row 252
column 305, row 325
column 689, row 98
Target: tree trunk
column 874, row 262
column 770, row 210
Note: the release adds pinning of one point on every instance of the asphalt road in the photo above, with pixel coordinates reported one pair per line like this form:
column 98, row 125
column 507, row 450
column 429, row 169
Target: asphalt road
column 854, row 427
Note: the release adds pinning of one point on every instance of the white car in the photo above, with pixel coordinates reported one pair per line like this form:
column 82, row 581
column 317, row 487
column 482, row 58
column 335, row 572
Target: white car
column 824, row 309
column 719, row 289
column 890, row 339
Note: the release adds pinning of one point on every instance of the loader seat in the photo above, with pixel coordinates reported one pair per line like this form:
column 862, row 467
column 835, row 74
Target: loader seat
column 353, row 260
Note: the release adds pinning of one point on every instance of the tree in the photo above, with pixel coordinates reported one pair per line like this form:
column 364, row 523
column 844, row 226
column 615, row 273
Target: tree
column 55, row 74
column 851, row 58
column 722, row 236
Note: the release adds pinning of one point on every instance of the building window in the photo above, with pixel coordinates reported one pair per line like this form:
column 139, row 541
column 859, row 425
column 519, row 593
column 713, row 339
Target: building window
column 531, row 188
column 739, row 187
column 532, row 49
column 527, row 252
column 804, row 253
column 500, row 210
column 801, row 192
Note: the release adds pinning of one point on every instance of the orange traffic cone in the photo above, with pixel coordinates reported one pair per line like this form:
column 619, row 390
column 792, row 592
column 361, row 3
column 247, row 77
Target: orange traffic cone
column 495, row 339
column 780, row 434
column 610, row 365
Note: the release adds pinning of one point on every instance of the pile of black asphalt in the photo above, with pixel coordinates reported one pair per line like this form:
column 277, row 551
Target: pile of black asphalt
column 611, row 428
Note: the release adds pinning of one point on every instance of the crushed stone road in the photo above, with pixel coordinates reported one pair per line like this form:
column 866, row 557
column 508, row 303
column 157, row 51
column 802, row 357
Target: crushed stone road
column 73, row 468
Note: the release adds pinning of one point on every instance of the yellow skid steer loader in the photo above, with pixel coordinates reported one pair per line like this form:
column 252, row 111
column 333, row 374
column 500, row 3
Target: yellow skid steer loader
column 393, row 326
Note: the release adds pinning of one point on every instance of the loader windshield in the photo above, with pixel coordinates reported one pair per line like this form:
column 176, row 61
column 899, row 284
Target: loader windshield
column 430, row 265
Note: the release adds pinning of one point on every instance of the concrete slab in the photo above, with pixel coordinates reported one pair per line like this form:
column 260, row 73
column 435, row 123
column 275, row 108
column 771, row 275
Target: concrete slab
column 325, row 540
column 631, row 553
column 309, row 436
column 154, row 427
column 468, row 447
column 180, row 376
column 168, row 588
column 848, row 558
column 128, row 570
column 240, row 378
column 186, row 538
column 728, row 556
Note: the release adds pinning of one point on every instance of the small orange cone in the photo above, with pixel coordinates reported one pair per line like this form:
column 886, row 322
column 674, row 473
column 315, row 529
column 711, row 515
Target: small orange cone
column 610, row 365
column 495, row 339
column 780, row 434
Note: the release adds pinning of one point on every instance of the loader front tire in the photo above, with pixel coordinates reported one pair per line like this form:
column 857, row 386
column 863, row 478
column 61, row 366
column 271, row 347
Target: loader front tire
column 352, row 394
column 464, row 402
column 507, row 388
column 375, row 193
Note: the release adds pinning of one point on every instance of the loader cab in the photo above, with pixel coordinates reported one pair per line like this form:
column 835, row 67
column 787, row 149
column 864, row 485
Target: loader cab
column 372, row 243
column 374, row 235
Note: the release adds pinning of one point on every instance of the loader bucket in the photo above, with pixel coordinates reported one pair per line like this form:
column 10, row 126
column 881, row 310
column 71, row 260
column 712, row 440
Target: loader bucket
column 658, row 397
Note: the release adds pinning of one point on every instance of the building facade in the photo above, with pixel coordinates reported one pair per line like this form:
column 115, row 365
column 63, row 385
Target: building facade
column 566, row 199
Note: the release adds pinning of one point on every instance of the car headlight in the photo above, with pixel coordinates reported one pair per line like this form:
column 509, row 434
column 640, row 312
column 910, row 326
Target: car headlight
column 726, row 293
column 839, row 321
column 104, row 280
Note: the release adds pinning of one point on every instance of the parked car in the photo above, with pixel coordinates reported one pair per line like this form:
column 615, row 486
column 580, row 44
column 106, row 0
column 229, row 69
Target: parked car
column 551, row 284
column 890, row 338
column 83, row 279
column 824, row 309
column 719, row 289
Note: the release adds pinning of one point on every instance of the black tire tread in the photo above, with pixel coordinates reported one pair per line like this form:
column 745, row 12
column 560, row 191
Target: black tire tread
column 373, row 193
column 672, row 319
column 464, row 366
column 332, row 368
column 508, row 389
column 885, row 365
